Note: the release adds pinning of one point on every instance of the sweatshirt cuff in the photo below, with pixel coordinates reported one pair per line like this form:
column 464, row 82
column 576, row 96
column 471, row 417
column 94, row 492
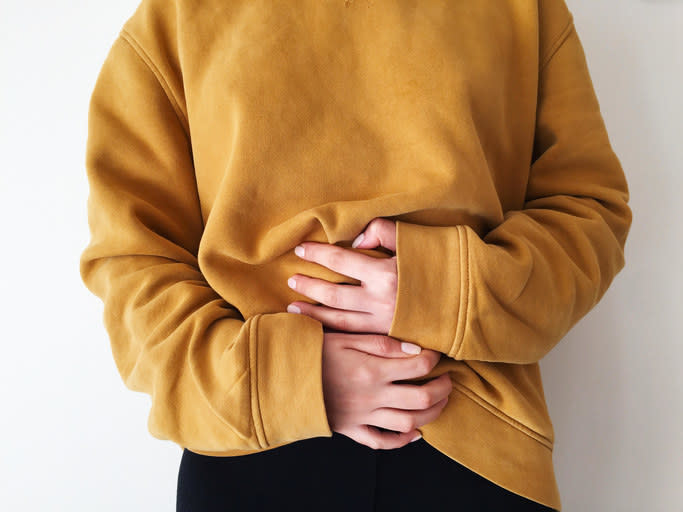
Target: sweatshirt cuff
column 431, row 297
column 290, row 406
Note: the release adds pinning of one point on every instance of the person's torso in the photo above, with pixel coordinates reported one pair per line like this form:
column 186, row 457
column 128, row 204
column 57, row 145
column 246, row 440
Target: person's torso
column 309, row 119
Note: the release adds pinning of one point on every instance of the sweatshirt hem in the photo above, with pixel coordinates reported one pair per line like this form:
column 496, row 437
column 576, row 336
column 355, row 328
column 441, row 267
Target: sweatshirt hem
column 508, row 419
column 481, row 440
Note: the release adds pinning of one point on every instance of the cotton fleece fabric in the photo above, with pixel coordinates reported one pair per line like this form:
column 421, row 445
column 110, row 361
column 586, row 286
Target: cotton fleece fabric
column 223, row 133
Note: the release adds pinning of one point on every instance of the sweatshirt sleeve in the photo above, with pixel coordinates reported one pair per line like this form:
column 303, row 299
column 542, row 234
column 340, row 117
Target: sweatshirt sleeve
column 217, row 381
column 512, row 294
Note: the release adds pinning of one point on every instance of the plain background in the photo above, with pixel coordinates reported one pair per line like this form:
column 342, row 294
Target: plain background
column 76, row 438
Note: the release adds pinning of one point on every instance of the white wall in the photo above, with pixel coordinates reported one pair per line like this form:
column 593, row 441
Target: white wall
column 76, row 439
column 614, row 384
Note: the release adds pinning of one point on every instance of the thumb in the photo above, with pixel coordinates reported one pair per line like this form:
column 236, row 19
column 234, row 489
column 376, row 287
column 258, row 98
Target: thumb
column 379, row 232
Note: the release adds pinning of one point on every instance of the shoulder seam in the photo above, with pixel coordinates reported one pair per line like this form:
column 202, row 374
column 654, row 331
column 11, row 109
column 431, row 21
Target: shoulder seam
column 557, row 44
column 145, row 58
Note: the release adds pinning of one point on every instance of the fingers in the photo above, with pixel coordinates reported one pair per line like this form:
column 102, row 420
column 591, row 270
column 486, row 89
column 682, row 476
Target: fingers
column 345, row 321
column 376, row 439
column 379, row 231
column 340, row 259
column 347, row 297
column 389, row 370
column 416, row 397
column 359, row 371
column 405, row 421
column 383, row 346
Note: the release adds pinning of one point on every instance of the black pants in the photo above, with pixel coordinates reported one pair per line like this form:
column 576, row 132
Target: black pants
column 338, row 474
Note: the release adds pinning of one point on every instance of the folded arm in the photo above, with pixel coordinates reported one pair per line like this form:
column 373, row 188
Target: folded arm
column 217, row 381
column 512, row 294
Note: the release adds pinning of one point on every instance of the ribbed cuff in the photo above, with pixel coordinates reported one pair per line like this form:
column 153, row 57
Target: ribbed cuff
column 288, row 379
column 432, row 291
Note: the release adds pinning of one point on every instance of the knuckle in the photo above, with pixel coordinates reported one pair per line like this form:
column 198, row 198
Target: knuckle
column 433, row 356
column 364, row 374
column 377, row 224
column 389, row 276
column 386, row 309
column 362, row 439
column 372, row 227
column 422, row 365
column 441, row 393
column 423, row 398
column 447, row 383
column 330, row 296
column 335, row 258
column 383, row 344
column 407, row 423
column 340, row 320
column 373, row 442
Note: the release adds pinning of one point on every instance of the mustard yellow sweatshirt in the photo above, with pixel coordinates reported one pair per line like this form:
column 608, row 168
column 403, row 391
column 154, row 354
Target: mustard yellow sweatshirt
column 223, row 133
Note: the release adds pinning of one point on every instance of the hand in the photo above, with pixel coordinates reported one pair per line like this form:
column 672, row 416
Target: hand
column 366, row 308
column 360, row 395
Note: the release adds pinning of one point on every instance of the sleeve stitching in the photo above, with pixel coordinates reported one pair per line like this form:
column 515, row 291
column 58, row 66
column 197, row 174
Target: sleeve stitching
column 145, row 58
column 465, row 285
column 557, row 44
column 257, row 417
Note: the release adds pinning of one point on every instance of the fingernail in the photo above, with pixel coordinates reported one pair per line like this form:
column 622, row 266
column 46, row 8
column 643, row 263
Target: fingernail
column 358, row 240
column 293, row 309
column 419, row 436
column 299, row 251
column 410, row 348
column 291, row 282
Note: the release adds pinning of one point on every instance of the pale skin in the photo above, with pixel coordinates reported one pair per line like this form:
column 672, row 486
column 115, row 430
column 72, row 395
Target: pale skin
column 360, row 361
